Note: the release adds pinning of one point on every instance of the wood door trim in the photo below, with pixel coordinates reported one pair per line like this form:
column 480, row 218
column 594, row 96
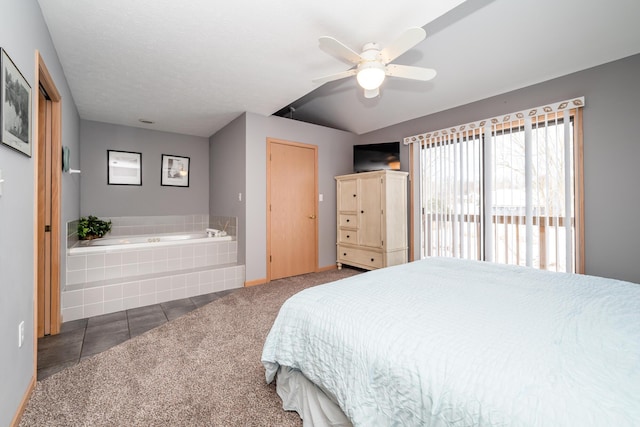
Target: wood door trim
column 315, row 204
column 39, row 231
column 44, row 79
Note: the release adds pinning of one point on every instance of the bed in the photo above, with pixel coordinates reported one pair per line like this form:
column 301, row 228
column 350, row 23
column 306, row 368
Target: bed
column 447, row 342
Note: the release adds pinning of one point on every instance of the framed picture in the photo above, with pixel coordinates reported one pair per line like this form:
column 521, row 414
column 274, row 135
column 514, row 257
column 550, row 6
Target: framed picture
column 15, row 106
column 175, row 171
column 124, row 168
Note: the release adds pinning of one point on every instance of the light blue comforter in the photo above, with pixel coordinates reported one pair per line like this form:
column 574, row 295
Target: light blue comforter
column 444, row 342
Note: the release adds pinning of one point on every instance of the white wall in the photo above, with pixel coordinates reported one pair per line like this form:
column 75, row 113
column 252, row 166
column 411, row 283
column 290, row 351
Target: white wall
column 22, row 32
column 100, row 199
column 611, row 154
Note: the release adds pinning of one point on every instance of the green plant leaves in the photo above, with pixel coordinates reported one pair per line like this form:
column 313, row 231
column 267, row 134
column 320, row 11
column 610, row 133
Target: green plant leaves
column 92, row 227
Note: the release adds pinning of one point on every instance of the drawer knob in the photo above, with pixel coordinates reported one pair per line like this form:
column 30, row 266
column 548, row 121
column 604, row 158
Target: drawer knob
column 348, row 220
column 361, row 211
column 348, row 236
column 354, row 195
column 371, row 259
column 344, row 254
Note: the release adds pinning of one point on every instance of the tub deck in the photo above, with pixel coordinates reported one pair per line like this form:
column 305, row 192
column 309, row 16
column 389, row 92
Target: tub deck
column 143, row 241
column 106, row 279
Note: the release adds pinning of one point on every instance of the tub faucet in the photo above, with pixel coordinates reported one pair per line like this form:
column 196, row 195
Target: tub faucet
column 212, row 232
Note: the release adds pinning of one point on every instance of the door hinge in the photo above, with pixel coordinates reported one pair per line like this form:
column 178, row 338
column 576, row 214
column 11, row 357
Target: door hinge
column 269, row 258
column 47, row 228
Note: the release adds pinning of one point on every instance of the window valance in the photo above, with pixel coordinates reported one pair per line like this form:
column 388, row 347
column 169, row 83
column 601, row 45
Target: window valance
column 494, row 121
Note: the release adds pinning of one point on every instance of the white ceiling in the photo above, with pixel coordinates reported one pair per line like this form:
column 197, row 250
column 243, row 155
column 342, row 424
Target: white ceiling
column 193, row 66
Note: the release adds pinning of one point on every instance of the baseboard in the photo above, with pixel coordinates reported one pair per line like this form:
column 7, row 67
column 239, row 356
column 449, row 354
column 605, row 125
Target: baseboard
column 23, row 404
column 255, row 282
column 264, row 280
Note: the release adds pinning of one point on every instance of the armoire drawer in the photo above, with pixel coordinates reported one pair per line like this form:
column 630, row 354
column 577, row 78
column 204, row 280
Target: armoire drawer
column 348, row 255
column 348, row 220
column 348, row 236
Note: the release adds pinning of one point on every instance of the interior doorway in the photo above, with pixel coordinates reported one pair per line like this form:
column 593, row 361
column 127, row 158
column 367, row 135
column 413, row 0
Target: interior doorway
column 48, row 171
column 292, row 208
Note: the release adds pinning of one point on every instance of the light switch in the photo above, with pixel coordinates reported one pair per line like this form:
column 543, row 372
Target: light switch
column 320, row 197
column 1, row 182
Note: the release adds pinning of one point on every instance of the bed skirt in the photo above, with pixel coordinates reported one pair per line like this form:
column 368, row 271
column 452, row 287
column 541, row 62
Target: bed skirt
column 315, row 407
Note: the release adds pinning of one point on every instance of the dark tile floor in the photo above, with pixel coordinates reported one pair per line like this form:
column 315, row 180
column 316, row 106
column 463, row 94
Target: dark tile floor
column 85, row 337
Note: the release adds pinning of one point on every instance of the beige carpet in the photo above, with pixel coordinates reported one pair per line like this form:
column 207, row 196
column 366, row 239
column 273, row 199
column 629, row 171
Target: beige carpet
column 202, row 369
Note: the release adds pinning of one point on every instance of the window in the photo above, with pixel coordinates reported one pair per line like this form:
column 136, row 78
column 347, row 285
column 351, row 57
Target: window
column 506, row 189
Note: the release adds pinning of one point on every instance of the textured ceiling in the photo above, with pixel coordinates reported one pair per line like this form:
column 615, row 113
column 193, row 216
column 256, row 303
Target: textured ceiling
column 194, row 66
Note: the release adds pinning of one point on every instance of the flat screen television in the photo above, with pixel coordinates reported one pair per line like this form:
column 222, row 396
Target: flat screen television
column 373, row 157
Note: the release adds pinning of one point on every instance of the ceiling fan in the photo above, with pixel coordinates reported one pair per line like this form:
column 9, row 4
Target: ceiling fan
column 373, row 63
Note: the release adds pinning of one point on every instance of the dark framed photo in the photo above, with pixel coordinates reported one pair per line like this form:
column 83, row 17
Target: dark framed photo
column 124, row 168
column 175, row 171
column 15, row 106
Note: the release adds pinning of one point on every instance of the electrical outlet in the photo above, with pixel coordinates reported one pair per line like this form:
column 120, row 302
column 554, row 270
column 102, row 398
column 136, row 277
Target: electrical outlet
column 20, row 333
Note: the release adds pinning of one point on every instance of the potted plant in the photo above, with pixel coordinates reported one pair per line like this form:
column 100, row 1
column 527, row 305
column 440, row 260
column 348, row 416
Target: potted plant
column 92, row 227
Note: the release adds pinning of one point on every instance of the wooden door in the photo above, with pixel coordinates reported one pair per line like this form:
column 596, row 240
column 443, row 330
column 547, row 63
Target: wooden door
column 44, row 214
column 291, row 209
column 48, row 204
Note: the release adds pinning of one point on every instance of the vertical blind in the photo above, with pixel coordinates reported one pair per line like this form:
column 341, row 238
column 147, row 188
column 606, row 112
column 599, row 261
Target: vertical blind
column 506, row 189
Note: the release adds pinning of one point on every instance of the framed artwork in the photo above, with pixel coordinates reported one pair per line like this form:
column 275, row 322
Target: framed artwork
column 124, row 168
column 15, row 106
column 175, row 171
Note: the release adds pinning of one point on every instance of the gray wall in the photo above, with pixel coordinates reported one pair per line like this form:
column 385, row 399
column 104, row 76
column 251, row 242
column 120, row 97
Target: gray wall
column 99, row 198
column 335, row 157
column 611, row 154
column 227, row 153
column 22, row 32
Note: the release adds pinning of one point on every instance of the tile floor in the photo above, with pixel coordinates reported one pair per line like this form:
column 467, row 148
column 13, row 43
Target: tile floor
column 85, row 337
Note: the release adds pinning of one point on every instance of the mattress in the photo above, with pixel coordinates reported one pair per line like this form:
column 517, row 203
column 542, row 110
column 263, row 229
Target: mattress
column 446, row 342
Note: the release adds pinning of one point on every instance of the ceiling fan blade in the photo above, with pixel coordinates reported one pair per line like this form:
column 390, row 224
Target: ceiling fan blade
column 336, row 48
column 406, row 41
column 409, row 72
column 336, row 76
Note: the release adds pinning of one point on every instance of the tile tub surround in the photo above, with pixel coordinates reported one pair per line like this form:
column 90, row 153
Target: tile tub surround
column 225, row 223
column 114, row 280
column 111, row 296
column 133, row 225
column 129, row 225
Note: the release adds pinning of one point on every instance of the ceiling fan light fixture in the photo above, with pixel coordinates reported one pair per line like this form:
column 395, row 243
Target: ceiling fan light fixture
column 371, row 93
column 373, row 64
column 370, row 75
